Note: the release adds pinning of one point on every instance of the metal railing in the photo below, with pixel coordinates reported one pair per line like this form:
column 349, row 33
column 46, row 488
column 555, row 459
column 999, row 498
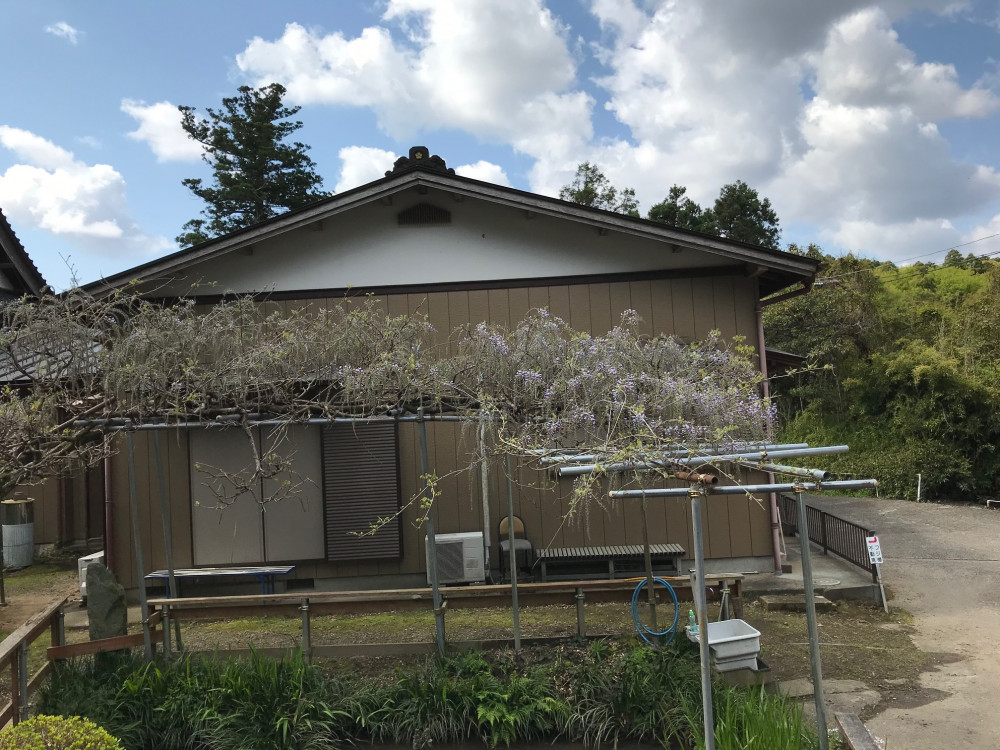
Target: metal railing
column 843, row 538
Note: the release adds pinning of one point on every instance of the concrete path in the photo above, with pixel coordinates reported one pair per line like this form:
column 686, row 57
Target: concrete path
column 942, row 563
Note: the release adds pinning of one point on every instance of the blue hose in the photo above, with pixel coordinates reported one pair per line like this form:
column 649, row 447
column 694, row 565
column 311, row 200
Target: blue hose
column 640, row 627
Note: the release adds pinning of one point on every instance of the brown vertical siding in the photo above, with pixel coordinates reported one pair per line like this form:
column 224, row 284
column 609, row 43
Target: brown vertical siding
column 538, row 297
column 689, row 308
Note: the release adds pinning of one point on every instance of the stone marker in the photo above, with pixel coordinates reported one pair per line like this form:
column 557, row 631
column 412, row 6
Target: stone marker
column 106, row 608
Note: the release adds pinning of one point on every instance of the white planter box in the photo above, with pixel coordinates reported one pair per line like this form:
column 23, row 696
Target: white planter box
column 734, row 644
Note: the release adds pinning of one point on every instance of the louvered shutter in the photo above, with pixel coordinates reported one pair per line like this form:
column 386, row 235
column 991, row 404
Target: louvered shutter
column 361, row 485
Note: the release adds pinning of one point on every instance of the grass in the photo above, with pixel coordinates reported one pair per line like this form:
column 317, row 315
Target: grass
column 35, row 579
column 406, row 626
column 601, row 694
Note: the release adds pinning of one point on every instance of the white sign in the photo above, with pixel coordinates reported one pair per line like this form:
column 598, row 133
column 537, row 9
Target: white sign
column 874, row 550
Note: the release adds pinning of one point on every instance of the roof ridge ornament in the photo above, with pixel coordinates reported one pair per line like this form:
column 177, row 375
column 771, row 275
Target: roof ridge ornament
column 419, row 158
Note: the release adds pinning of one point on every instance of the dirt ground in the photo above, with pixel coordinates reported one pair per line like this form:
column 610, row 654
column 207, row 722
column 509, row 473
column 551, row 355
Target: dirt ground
column 29, row 590
column 942, row 564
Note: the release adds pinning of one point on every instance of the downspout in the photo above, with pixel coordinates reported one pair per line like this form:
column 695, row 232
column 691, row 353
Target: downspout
column 109, row 515
column 772, row 499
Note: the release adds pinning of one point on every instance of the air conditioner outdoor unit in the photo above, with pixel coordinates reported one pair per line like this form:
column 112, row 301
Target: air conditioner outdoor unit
column 81, row 569
column 459, row 557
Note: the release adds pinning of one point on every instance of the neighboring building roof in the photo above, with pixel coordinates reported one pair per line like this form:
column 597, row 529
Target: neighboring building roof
column 776, row 269
column 779, row 360
column 18, row 275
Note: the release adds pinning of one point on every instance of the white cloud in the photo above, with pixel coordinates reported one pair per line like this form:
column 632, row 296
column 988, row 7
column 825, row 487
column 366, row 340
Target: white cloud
column 160, row 127
column 63, row 30
column 899, row 241
column 53, row 191
column 878, row 164
column 864, row 64
column 985, row 236
column 702, row 111
column 818, row 105
column 485, row 171
column 362, row 164
column 500, row 69
column 89, row 141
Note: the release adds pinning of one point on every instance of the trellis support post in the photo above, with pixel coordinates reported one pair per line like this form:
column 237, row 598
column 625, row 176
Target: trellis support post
column 137, row 539
column 701, row 611
column 431, row 544
column 512, row 556
column 814, row 658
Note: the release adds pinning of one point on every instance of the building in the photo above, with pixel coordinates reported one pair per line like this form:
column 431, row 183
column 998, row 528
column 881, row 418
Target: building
column 462, row 251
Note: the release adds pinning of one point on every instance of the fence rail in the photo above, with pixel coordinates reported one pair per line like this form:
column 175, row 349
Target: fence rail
column 14, row 659
column 843, row 538
column 304, row 606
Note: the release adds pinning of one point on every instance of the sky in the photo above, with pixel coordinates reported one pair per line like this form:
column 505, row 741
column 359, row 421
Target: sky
column 871, row 127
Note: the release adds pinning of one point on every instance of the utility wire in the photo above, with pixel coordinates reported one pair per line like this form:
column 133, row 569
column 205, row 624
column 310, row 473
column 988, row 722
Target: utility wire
column 984, row 256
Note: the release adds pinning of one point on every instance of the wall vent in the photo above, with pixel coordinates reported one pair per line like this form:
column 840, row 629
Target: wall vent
column 422, row 214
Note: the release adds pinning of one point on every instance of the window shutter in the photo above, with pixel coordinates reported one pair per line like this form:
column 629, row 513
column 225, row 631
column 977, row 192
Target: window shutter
column 361, row 485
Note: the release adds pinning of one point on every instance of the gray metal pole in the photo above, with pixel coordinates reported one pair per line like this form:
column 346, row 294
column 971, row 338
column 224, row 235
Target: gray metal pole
column 60, row 628
column 814, row 659
column 700, row 450
column 134, row 509
column 572, row 471
column 165, row 619
column 431, row 544
column 742, row 489
column 581, row 622
column 648, row 560
column 701, row 611
column 306, row 633
column 512, row 556
column 22, row 681
column 167, row 537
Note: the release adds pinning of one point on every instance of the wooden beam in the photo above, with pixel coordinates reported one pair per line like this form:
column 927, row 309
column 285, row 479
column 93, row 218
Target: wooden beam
column 105, row 644
column 37, row 623
column 854, row 733
column 39, row 677
column 466, row 597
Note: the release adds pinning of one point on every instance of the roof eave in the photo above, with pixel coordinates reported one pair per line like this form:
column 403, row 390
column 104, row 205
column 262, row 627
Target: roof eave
column 780, row 269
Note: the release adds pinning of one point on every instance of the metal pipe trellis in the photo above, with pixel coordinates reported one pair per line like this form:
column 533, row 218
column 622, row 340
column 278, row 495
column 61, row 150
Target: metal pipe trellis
column 572, row 471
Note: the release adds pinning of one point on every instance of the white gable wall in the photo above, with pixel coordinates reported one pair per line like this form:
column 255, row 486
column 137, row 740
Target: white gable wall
column 365, row 247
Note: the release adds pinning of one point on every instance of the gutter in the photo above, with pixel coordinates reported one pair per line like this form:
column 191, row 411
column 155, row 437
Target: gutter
column 772, row 498
column 109, row 515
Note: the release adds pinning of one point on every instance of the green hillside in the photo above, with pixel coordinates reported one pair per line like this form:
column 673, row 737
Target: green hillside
column 906, row 371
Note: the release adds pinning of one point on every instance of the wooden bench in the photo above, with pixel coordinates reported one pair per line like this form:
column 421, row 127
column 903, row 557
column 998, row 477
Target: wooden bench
column 263, row 573
column 572, row 562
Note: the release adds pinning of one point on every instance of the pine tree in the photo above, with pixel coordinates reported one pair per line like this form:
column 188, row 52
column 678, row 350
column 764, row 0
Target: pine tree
column 257, row 174
column 590, row 187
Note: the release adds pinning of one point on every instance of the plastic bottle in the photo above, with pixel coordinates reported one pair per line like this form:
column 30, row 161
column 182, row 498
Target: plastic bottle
column 692, row 623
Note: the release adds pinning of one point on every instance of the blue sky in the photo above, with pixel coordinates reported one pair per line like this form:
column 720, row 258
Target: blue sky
column 873, row 128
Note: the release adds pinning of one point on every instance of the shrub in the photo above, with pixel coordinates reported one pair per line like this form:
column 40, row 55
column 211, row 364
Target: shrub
column 57, row 733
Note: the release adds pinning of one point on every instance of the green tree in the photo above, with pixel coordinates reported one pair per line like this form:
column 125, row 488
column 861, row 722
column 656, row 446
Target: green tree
column 741, row 214
column 257, row 174
column 678, row 210
column 910, row 375
column 953, row 258
column 590, row 187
